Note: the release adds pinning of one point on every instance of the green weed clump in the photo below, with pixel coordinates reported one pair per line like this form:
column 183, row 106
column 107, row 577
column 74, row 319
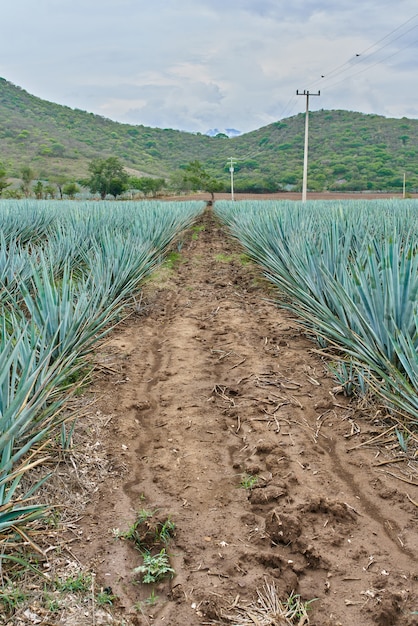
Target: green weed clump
column 248, row 481
column 151, row 535
column 155, row 567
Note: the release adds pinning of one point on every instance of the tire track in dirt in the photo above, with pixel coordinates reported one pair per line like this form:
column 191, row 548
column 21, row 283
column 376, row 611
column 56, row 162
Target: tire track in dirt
column 388, row 525
column 216, row 384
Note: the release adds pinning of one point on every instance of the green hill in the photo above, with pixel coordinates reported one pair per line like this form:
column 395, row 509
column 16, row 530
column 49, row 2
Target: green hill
column 348, row 150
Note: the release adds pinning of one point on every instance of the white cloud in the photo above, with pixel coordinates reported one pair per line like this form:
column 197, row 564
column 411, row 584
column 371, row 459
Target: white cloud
column 199, row 64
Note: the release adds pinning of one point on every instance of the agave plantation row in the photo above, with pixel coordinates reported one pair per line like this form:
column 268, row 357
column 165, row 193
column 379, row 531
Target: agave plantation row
column 66, row 272
column 349, row 270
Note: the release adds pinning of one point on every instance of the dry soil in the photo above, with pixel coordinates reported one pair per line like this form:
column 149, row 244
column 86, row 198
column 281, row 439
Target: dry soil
column 224, row 420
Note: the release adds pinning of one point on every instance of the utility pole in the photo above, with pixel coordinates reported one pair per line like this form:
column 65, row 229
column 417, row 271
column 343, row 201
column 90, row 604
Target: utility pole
column 404, row 186
column 305, row 152
column 231, row 169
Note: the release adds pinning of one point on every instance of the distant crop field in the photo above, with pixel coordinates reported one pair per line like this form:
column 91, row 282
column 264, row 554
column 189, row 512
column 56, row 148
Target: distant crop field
column 292, row 195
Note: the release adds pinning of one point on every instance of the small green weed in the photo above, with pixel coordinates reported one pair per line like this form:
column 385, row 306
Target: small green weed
column 11, row 597
column 105, row 596
column 155, row 567
column 171, row 260
column 248, row 481
column 152, row 599
column 166, row 531
column 142, row 518
column 131, row 533
column 223, row 258
column 244, row 259
column 50, row 603
column 146, row 531
column 196, row 230
column 297, row 609
column 80, row 377
column 79, row 583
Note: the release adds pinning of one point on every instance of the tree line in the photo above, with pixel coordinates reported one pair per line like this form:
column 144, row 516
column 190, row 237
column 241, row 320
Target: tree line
column 108, row 177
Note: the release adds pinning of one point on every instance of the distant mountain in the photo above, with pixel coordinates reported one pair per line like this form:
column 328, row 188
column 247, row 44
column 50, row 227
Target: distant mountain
column 229, row 132
column 347, row 150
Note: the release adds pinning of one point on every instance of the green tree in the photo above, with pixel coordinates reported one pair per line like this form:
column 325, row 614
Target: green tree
column 107, row 176
column 28, row 176
column 50, row 191
column 59, row 180
column 146, row 184
column 3, row 179
column 196, row 178
column 39, row 190
column 14, row 194
column 70, row 189
column 214, row 186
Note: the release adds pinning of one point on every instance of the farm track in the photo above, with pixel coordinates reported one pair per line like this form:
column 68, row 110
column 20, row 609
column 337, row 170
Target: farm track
column 211, row 382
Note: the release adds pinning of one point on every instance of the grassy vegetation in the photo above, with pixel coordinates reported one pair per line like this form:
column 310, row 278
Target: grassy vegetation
column 155, row 567
column 50, row 595
column 172, row 260
column 198, row 228
column 248, row 481
column 348, row 150
column 150, row 534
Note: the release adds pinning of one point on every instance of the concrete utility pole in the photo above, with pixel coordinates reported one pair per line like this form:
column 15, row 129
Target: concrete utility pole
column 231, row 169
column 305, row 152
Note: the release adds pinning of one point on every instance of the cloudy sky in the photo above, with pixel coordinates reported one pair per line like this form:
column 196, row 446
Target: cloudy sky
column 201, row 64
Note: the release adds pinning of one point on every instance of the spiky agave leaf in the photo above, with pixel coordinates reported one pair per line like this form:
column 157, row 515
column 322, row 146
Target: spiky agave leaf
column 357, row 292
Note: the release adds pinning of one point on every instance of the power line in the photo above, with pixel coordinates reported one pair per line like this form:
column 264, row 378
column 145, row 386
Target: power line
column 289, row 105
column 369, row 67
column 360, row 58
column 335, row 73
column 363, row 60
column 391, row 33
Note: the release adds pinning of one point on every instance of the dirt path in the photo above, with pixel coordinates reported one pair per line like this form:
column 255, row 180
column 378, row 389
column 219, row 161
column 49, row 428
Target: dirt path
column 210, row 387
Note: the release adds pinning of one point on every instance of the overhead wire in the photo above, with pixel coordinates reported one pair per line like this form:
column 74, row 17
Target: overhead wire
column 369, row 67
column 348, row 65
column 360, row 55
column 288, row 108
column 365, row 59
column 391, row 33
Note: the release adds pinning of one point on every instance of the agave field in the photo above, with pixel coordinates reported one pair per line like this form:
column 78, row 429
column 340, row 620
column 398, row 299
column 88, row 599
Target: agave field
column 349, row 271
column 67, row 270
column 225, row 477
